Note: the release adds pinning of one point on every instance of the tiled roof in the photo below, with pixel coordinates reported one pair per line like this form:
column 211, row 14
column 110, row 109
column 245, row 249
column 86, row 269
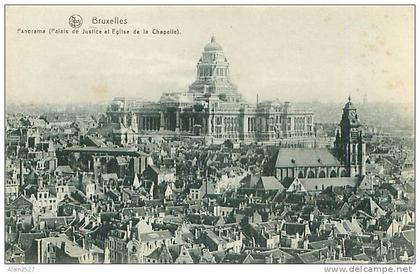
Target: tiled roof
column 71, row 249
column 250, row 181
column 369, row 206
column 155, row 236
column 64, row 169
column 25, row 240
column 317, row 183
column 269, row 183
column 305, row 157
column 20, row 202
column 410, row 235
column 312, row 256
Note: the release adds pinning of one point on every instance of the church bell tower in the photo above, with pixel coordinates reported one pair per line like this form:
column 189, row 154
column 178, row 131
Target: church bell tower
column 349, row 142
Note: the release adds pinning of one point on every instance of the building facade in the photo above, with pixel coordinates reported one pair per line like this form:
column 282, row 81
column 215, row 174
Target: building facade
column 214, row 108
column 346, row 159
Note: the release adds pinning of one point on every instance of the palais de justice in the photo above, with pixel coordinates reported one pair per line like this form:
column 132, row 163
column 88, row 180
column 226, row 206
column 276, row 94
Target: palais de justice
column 214, row 108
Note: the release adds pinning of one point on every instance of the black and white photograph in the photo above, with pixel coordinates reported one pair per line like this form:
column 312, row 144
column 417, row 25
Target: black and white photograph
column 209, row 134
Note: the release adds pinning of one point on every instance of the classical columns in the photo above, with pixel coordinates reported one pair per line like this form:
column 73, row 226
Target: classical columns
column 190, row 124
column 209, row 132
column 140, row 119
column 177, row 120
column 162, row 121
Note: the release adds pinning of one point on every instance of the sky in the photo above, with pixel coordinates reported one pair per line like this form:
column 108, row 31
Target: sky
column 290, row 53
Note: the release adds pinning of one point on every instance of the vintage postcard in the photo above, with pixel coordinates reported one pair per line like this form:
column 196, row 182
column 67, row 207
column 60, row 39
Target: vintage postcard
column 210, row 135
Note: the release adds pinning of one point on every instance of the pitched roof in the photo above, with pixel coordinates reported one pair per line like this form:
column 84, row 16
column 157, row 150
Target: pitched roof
column 317, row 183
column 269, row 183
column 369, row 206
column 250, row 181
column 322, row 244
column 313, row 256
column 347, row 227
column 155, row 236
column 410, row 235
column 71, row 249
column 108, row 176
column 20, row 202
column 15, row 249
column 160, row 253
column 366, row 183
column 64, row 169
column 275, row 253
column 95, row 141
column 305, row 157
column 235, row 258
column 25, row 240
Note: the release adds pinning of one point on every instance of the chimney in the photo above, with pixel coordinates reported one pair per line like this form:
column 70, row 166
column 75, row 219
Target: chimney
column 196, row 234
column 306, row 244
column 63, row 246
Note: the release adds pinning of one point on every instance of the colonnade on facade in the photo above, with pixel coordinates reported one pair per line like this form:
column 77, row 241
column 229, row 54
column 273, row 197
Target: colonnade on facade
column 234, row 124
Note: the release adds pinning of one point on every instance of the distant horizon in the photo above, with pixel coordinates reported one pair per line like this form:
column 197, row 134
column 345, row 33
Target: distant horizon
column 333, row 53
column 107, row 101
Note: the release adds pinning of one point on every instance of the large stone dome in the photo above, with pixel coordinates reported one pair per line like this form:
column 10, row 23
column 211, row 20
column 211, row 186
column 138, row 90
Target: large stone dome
column 213, row 45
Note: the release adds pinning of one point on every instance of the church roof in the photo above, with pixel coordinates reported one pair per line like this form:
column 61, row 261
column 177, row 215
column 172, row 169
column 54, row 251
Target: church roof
column 305, row 157
column 213, row 45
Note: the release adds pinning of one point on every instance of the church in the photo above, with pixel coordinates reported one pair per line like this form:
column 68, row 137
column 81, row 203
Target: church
column 346, row 159
column 214, row 109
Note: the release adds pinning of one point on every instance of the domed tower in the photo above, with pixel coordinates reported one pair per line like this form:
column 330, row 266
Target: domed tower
column 349, row 144
column 213, row 75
